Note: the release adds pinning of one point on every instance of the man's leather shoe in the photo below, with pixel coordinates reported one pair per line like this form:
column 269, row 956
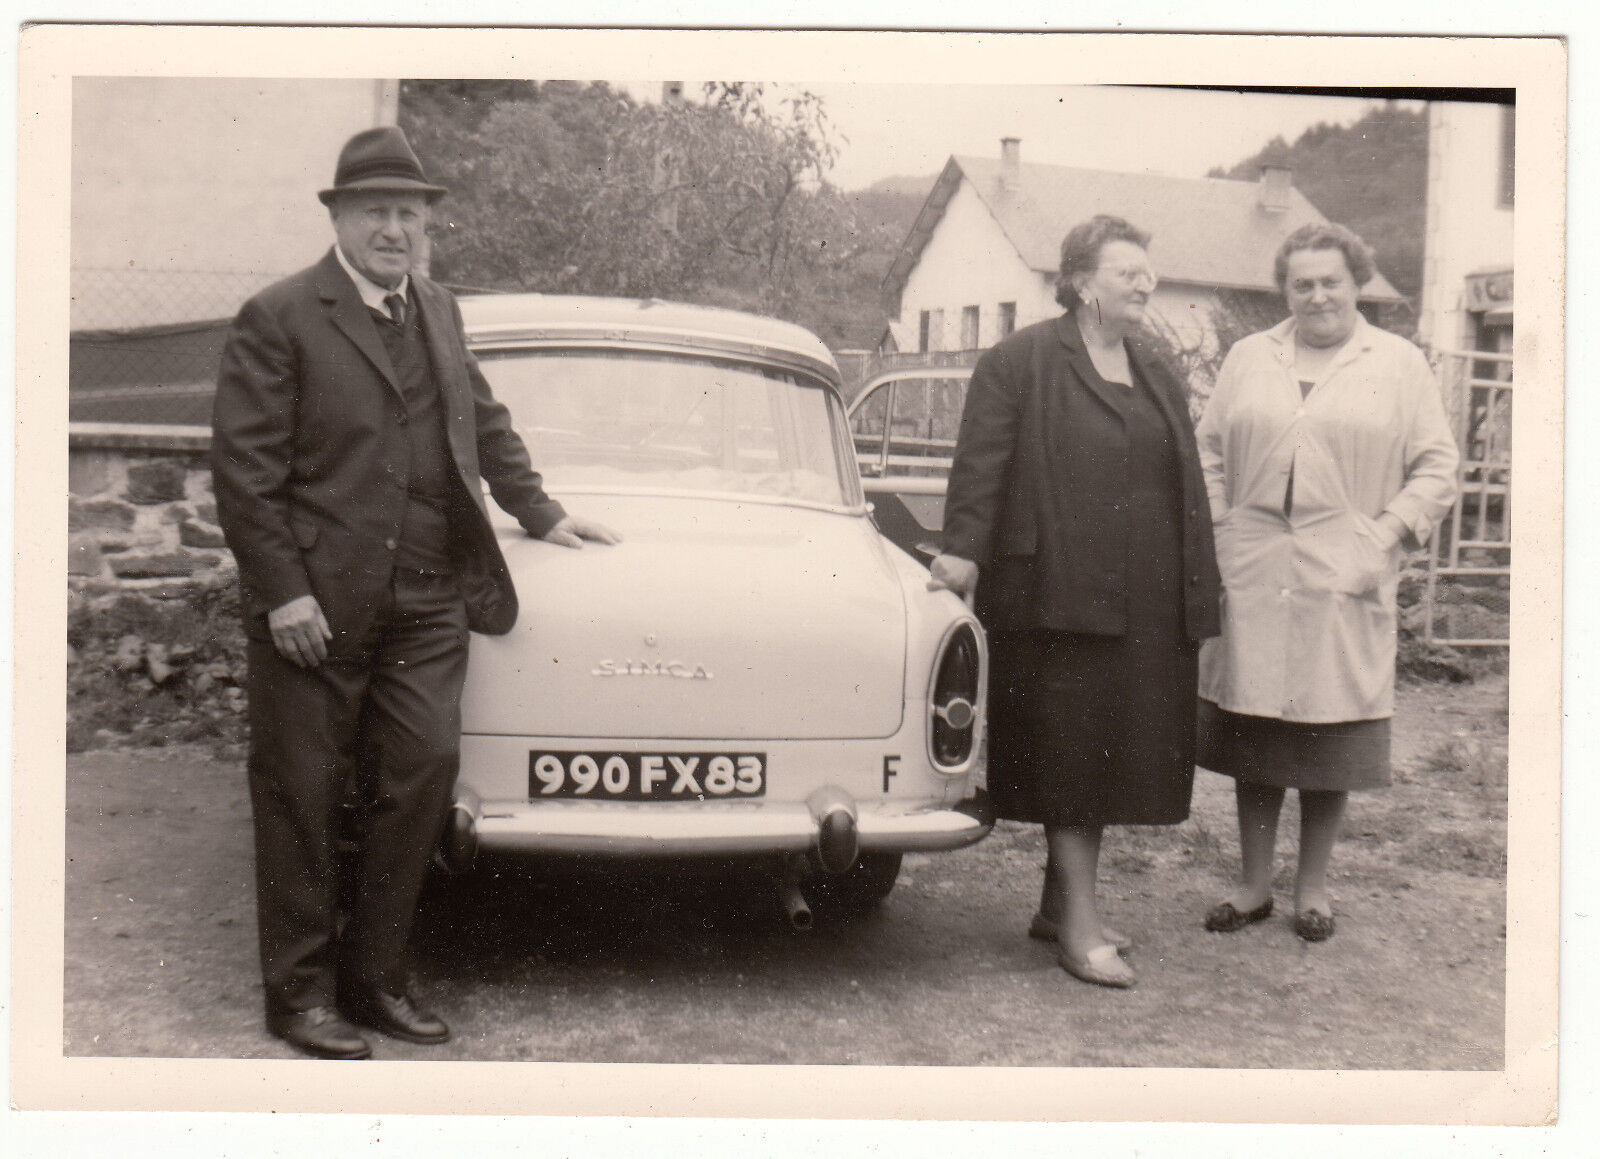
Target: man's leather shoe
column 320, row 1031
column 394, row 1015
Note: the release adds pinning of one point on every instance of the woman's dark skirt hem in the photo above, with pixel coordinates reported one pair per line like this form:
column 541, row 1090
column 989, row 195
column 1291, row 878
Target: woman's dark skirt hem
column 1028, row 816
column 1335, row 757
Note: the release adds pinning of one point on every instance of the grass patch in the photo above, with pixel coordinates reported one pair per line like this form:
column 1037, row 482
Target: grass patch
column 1467, row 762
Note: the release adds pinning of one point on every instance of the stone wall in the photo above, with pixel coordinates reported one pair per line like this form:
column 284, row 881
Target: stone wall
column 141, row 516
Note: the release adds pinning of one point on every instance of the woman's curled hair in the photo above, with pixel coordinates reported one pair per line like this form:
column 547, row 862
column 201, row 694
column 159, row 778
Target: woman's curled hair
column 1080, row 250
column 1326, row 235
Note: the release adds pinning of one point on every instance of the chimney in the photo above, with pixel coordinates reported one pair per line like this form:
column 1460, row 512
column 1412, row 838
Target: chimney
column 1276, row 184
column 672, row 92
column 1011, row 163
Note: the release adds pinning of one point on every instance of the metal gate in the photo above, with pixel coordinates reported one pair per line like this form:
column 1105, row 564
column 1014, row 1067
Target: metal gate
column 1468, row 596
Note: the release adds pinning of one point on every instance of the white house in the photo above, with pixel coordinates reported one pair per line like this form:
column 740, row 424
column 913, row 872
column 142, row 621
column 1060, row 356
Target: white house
column 981, row 257
column 1467, row 257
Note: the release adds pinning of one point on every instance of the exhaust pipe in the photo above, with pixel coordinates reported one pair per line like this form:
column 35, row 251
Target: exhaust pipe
column 794, row 902
column 838, row 844
column 794, row 905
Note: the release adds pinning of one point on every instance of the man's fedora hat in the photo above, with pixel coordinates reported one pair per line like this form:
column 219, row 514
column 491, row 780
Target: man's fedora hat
column 380, row 160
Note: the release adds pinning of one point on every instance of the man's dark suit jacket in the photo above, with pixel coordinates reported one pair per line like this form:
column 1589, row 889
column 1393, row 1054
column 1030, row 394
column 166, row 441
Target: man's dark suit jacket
column 1038, row 488
column 310, row 455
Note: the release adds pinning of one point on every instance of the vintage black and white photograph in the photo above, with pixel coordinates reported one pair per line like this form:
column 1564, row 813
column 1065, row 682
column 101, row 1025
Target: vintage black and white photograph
column 614, row 566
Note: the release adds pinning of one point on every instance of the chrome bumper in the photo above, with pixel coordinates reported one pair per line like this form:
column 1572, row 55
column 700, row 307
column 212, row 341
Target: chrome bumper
column 729, row 828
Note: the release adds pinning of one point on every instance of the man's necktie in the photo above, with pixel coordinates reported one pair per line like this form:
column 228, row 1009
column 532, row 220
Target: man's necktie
column 397, row 308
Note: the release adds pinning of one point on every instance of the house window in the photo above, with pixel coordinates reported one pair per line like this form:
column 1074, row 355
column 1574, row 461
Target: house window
column 931, row 331
column 1508, row 155
column 969, row 327
column 923, row 323
column 1008, row 318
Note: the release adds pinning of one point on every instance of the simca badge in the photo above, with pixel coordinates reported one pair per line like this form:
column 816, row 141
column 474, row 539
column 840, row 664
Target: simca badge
column 674, row 668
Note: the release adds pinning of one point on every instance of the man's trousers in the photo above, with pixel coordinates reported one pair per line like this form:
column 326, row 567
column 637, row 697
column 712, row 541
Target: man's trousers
column 381, row 715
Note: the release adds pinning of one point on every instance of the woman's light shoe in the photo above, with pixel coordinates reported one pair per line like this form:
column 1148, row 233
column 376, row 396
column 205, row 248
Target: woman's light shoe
column 1101, row 966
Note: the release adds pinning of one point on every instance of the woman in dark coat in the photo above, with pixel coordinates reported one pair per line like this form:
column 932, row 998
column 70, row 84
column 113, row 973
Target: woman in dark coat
column 1078, row 514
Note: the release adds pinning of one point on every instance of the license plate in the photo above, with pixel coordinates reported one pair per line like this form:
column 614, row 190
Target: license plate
column 647, row 776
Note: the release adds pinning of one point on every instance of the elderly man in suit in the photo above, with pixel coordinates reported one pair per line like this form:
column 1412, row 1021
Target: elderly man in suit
column 352, row 428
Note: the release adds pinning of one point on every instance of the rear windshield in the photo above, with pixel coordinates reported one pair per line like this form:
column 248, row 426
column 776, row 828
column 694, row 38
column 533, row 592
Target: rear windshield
column 607, row 419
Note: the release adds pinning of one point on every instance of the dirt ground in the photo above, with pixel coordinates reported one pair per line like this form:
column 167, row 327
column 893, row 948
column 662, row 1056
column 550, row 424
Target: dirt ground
column 654, row 965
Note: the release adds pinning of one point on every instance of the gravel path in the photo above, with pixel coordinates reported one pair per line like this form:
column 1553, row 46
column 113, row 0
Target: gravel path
column 652, row 965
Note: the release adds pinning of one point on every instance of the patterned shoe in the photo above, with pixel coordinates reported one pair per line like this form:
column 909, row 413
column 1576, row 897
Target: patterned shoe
column 1225, row 919
column 1314, row 925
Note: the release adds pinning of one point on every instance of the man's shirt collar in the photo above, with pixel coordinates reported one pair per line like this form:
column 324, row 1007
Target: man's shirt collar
column 371, row 293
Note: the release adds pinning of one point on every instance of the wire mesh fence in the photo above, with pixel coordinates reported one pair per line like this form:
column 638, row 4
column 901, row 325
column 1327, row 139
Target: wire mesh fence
column 121, row 299
column 145, row 344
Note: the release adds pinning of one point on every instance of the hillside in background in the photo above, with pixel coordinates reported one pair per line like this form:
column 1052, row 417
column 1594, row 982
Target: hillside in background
column 883, row 213
column 1371, row 176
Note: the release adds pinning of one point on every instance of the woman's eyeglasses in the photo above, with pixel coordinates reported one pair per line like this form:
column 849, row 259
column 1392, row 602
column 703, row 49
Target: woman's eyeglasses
column 1132, row 276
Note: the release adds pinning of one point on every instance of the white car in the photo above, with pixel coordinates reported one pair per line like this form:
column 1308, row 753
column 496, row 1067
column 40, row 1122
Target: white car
column 755, row 672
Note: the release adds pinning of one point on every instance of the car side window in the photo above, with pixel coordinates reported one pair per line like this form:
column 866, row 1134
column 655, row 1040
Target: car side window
column 924, row 426
column 867, row 426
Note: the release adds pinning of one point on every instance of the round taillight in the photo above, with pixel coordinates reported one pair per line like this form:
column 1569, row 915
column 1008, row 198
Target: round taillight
column 955, row 697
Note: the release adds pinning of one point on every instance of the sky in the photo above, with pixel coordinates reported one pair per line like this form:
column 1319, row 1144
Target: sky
column 909, row 130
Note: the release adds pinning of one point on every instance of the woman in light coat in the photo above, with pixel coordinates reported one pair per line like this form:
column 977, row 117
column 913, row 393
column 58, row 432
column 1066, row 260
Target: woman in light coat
column 1326, row 454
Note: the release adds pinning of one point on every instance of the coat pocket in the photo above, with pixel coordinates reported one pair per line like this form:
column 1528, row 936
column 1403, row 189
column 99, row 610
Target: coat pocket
column 1369, row 565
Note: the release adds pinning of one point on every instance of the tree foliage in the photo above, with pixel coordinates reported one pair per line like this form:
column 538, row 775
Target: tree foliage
column 568, row 187
column 1371, row 176
column 1195, row 361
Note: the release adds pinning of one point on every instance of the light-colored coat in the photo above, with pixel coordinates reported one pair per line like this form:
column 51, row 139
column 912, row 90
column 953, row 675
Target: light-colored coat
column 1309, row 615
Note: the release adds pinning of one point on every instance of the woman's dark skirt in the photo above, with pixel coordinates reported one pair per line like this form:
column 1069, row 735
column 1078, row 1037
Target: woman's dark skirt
column 1091, row 730
column 1260, row 750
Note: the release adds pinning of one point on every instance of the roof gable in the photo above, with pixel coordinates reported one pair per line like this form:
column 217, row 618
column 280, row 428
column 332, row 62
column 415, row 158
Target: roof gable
column 1205, row 231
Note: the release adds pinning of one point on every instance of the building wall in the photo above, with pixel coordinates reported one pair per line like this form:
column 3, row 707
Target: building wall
column 1469, row 226
column 190, row 193
column 969, row 261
